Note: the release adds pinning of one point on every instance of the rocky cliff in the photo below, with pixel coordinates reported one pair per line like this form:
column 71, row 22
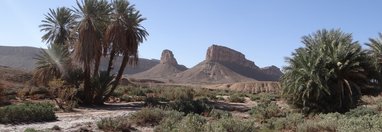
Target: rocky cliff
column 226, row 55
column 164, row 71
column 168, row 57
column 272, row 70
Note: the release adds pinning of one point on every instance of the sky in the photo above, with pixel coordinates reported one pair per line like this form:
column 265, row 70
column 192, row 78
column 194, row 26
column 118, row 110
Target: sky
column 266, row 31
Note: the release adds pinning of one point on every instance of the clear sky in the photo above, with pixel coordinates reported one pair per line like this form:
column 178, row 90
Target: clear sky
column 265, row 31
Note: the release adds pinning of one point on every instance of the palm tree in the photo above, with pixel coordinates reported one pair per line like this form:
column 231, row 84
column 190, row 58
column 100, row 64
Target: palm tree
column 51, row 63
column 328, row 74
column 125, row 33
column 58, row 25
column 94, row 16
column 375, row 50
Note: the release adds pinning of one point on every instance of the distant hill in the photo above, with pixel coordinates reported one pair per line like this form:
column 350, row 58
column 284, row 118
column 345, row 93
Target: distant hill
column 166, row 69
column 21, row 58
column 222, row 65
column 18, row 57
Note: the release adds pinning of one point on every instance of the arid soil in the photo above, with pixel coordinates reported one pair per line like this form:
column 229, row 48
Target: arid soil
column 81, row 119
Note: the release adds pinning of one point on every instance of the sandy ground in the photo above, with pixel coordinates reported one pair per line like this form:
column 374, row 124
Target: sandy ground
column 81, row 119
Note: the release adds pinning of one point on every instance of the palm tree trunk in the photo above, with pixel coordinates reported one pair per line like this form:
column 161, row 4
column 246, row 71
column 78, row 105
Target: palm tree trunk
column 118, row 77
column 111, row 59
column 96, row 65
column 87, row 88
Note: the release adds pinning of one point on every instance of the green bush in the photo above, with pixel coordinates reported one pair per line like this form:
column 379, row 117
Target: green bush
column 288, row 123
column 31, row 130
column 218, row 114
column 191, row 123
column 361, row 111
column 236, row 98
column 27, row 113
column 265, row 111
column 120, row 123
column 169, row 122
column 190, row 106
column 231, row 125
column 147, row 117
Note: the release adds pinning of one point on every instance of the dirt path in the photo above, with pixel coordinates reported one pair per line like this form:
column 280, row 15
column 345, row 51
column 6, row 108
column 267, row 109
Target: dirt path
column 83, row 118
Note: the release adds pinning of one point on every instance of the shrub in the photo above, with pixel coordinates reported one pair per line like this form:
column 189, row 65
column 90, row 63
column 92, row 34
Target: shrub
column 191, row 123
column 27, row 113
column 3, row 100
column 231, row 125
column 112, row 124
column 236, row 98
column 147, row 117
column 177, row 94
column 66, row 95
column 265, row 111
column 190, row 106
column 361, row 111
column 218, row 114
column 169, row 122
column 288, row 123
column 31, row 130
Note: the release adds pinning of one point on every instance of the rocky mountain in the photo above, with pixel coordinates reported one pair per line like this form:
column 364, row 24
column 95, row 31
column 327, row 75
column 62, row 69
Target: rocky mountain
column 225, row 65
column 22, row 58
column 164, row 71
column 209, row 72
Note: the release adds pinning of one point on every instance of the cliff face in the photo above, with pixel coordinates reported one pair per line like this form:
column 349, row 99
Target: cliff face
column 168, row 57
column 236, row 61
column 164, row 71
column 272, row 70
column 226, row 55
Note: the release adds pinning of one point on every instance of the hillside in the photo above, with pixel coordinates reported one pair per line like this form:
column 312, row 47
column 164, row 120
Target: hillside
column 21, row 58
column 166, row 69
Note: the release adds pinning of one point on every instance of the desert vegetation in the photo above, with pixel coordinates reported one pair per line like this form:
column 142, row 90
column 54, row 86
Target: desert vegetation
column 329, row 84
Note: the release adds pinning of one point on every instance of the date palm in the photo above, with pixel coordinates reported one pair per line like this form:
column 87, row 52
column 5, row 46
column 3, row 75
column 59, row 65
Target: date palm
column 94, row 17
column 125, row 33
column 51, row 63
column 58, row 25
column 375, row 50
column 328, row 74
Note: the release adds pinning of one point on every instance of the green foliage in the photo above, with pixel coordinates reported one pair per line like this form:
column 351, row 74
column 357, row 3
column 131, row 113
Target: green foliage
column 328, row 74
column 169, row 122
column 218, row 114
column 231, row 125
column 190, row 106
column 51, row 64
column 265, row 111
column 236, row 98
column 289, row 122
column 119, row 123
column 101, row 85
column 31, row 130
column 191, row 123
column 147, row 117
column 361, row 111
column 27, row 113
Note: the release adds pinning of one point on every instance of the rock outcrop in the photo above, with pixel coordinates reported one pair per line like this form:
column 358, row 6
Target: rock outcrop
column 272, row 70
column 226, row 55
column 225, row 65
column 168, row 57
column 164, row 71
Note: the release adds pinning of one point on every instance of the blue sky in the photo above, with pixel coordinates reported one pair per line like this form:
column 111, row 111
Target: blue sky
column 265, row 31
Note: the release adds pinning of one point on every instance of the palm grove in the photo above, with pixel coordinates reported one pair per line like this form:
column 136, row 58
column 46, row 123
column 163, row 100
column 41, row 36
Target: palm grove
column 329, row 74
column 77, row 39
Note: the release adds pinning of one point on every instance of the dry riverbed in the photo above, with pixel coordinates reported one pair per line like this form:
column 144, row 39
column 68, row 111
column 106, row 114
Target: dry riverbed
column 82, row 119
